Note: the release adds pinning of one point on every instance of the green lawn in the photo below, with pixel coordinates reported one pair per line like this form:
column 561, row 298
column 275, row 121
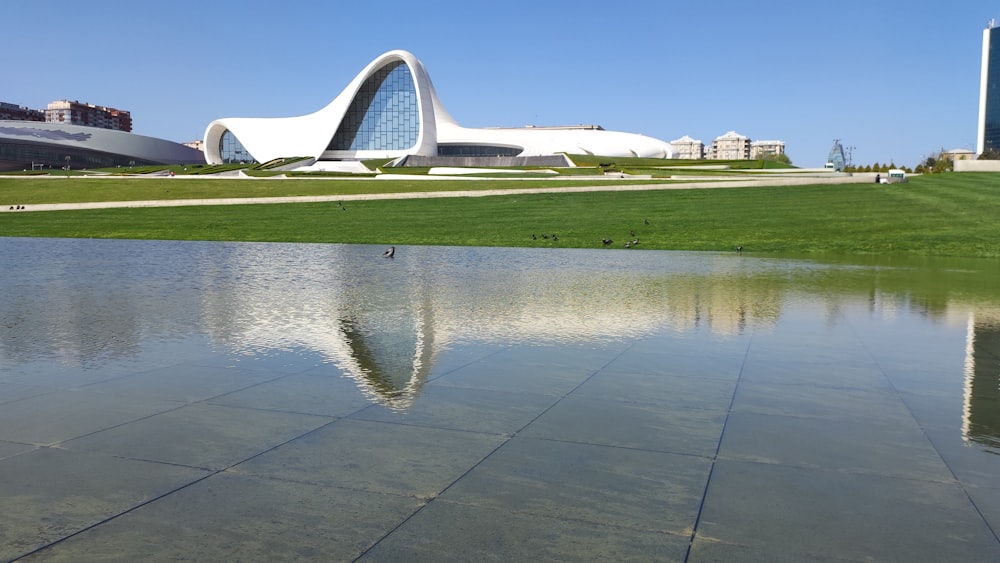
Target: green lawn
column 79, row 189
column 939, row 215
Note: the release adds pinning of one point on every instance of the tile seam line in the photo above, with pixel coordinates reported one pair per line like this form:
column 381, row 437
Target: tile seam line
column 923, row 430
column 506, row 439
column 715, row 456
column 147, row 502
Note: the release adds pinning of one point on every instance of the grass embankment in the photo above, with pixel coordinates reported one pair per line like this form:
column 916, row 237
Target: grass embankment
column 25, row 191
column 940, row 215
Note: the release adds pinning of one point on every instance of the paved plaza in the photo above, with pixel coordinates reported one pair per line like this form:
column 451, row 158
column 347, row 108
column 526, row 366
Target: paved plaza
column 644, row 450
column 172, row 400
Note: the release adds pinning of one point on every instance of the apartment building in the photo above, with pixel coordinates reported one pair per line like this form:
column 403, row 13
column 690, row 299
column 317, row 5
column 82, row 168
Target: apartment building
column 89, row 115
column 689, row 148
column 14, row 112
column 766, row 149
column 731, row 146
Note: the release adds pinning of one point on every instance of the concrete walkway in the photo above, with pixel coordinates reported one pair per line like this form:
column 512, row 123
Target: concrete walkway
column 611, row 187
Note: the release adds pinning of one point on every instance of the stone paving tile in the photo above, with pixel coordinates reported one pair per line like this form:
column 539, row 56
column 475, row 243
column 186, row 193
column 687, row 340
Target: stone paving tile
column 474, row 410
column 461, row 356
column 50, row 493
column 274, row 362
column 181, row 382
column 320, row 392
column 838, row 445
column 663, row 389
column 987, row 500
column 691, row 342
column 63, row 415
column 827, row 401
column 446, row 531
column 807, row 372
column 788, row 512
column 15, row 391
column 8, row 449
column 914, row 377
column 973, row 463
column 74, row 375
column 240, row 518
column 507, row 371
column 937, row 411
column 376, row 457
column 714, row 551
column 200, row 435
column 694, row 362
column 630, row 425
column 583, row 356
column 638, row 490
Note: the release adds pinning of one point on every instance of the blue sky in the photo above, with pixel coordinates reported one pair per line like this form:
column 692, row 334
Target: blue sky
column 895, row 80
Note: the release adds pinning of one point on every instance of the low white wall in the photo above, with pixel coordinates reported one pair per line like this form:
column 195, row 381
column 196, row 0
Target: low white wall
column 977, row 166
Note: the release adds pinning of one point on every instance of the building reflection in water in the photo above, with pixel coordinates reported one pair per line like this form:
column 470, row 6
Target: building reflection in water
column 981, row 416
column 384, row 322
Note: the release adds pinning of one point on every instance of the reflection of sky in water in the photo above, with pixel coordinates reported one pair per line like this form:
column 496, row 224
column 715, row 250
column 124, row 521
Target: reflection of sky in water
column 384, row 321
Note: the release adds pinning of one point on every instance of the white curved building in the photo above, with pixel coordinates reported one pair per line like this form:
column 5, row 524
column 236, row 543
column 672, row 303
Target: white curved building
column 391, row 110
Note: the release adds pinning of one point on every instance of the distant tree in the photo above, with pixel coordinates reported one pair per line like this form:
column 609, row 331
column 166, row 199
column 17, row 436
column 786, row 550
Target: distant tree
column 938, row 162
column 868, row 168
column 990, row 154
column 944, row 164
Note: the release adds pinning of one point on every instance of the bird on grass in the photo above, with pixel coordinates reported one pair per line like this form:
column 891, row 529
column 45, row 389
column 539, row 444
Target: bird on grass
column 607, row 241
column 390, row 252
column 739, row 249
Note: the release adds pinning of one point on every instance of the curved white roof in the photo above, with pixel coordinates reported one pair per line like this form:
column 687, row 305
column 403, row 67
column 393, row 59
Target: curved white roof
column 311, row 135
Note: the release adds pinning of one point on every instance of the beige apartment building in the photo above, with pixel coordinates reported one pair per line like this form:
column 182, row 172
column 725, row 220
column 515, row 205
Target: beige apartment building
column 765, row 149
column 688, row 148
column 731, row 146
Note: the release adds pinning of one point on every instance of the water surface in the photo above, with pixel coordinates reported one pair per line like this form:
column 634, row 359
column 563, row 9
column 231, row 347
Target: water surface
column 661, row 405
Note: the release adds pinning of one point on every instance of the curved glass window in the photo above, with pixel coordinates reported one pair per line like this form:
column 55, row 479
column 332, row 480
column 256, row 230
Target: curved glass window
column 477, row 150
column 232, row 150
column 383, row 115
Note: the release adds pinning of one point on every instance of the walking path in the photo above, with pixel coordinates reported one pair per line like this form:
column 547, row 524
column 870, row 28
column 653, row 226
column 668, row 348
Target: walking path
column 11, row 207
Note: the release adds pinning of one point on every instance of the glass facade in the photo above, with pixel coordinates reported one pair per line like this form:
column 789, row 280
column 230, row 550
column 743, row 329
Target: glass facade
column 232, row 150
column 991, row 137
column 384, row 114
column 477, row 150
column 25, row 156
column 836, row 157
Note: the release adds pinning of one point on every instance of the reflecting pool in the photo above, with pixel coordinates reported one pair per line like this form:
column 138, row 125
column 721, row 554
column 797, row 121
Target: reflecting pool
column 221, row 401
